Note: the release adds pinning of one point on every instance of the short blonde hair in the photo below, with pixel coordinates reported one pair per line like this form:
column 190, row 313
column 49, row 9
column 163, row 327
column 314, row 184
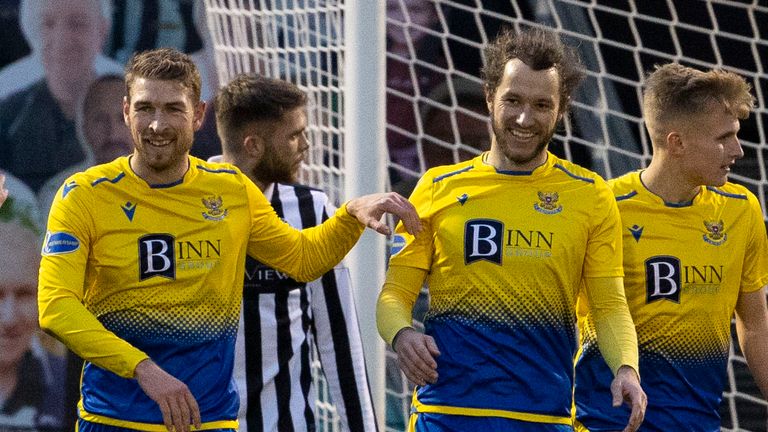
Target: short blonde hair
column 674, row 92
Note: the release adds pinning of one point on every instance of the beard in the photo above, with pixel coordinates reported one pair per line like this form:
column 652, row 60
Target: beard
column 506, row 144
column 273, row 169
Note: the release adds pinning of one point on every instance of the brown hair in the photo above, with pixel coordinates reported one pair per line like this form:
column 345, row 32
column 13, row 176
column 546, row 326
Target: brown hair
column 163, row 64
column 540, row 50
column 673, row 91
column 252, row 98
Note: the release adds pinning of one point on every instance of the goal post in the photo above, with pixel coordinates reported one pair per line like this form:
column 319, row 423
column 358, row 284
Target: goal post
column 366, row 170
column 402, row 77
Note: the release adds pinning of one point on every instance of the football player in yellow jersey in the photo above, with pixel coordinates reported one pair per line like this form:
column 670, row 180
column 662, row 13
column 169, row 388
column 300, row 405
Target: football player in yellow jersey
column 510, row 237
column 143, row 262
column 694, row 252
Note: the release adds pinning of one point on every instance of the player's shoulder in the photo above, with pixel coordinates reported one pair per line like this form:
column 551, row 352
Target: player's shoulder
column 575, row 171
column 732, row 191
column 111, row 172
column 443, row 172
column 215, row 168
column 626, row 184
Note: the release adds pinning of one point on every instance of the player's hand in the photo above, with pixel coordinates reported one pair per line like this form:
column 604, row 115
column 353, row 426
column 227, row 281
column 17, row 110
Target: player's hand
column 416, row 354
column 369, row 209
column 176, row 402
column 626, row 388
column 3, row 190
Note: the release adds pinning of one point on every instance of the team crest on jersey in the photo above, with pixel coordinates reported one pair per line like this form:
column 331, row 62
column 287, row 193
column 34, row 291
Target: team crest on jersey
column 548, row 203
column 215, row 212
column 715, row 236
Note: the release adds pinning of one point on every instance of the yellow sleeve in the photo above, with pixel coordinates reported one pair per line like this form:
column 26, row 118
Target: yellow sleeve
column 616, row 336
column 395, row 305
column 61, row 289
column 306, row 254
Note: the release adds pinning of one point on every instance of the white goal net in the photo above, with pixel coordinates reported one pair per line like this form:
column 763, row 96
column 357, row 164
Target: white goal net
column 435, row 112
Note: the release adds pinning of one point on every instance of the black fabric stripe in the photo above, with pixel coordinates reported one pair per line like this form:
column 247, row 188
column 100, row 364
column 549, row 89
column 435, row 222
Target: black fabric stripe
column 277, row 204
column 306, row 207
column 342, row 352
column 284, row 354
column 305, row 380
column 254, row 382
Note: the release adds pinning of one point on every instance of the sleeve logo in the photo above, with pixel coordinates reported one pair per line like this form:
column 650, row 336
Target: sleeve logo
column 57, row 243
column 398, row 243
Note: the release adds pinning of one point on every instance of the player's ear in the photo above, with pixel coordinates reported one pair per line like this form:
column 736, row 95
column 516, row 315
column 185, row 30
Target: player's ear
column 199, row 115
column 675, row 143
column 254, row 146
column 126, row 111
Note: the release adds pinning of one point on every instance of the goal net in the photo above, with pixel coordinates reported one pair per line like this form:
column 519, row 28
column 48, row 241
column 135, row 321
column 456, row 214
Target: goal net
column 435, row 111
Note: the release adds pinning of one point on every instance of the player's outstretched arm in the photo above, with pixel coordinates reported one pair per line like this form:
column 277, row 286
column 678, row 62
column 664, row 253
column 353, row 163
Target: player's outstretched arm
column 752, row 329
column 176, row 402
column 626, row 388
column 368, row 209
column 3, row 190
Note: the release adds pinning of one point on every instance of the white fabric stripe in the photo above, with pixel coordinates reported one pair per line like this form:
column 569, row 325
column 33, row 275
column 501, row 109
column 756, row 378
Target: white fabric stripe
column 298, row 401
column 269, row 364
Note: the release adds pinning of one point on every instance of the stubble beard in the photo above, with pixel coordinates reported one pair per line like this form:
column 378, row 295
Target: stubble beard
column 505, row 144
column 270, row 170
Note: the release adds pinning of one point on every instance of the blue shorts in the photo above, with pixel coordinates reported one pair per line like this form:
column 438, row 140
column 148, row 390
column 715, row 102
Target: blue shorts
column 86, row 426
column 431, row 422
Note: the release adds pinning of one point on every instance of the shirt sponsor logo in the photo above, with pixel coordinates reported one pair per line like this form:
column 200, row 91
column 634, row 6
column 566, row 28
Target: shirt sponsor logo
column 666, row 278
column 548, row 203
column 483, row 240
column 156, row 256
column 715, row 236
column 57, row 243
column 662, row 279
column 214, row 211
column 162, row 255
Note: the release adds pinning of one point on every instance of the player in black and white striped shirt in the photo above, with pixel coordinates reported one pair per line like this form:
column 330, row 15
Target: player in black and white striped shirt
column 262, row 123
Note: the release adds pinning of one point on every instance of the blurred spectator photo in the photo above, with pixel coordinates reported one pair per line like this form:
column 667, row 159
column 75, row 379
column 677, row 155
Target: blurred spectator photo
column 37, row 128
column 24, row 23
column 31, row 390
column 100, row 127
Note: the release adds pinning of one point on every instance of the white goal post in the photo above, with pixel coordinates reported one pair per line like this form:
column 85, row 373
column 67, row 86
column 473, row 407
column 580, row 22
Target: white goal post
column 402, row 77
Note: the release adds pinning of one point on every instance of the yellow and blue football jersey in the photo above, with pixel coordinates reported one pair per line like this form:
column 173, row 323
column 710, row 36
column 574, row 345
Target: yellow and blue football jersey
column 506, row 252
column 685, row 266
column 160, row 270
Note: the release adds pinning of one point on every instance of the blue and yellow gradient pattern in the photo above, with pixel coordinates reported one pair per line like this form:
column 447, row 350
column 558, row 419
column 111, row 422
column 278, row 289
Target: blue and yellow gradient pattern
column 160, row 267
column 505, row 254
column 684, row 269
